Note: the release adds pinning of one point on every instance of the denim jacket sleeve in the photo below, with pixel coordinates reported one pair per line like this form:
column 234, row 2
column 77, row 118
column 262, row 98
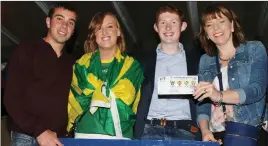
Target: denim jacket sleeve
column 203, row 109
column 256, row 88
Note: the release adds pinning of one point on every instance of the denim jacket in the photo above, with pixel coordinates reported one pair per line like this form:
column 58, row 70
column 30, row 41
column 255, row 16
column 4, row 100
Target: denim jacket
column 247, row 74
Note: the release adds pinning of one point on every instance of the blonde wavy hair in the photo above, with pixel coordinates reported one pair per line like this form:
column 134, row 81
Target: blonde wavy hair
column 90, row 44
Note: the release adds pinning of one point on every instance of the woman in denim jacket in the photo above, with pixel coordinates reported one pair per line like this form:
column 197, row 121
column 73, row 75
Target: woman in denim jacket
column 244, row 74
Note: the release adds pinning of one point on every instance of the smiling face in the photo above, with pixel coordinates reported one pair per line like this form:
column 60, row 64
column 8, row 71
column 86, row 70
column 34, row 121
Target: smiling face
column 106, row 36
column 169, row 27
column 61, row 25
column 219, row 30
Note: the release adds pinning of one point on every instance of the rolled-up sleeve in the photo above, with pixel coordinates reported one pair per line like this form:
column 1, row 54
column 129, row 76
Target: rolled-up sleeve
column 203, row 109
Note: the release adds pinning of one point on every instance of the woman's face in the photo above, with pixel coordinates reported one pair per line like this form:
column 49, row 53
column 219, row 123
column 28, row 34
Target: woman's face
column 219, row 30
column 106, row 36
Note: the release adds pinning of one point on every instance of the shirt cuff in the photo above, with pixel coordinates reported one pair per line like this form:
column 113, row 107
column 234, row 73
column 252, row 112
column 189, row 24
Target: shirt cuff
column 202, row 117
column 242, row 96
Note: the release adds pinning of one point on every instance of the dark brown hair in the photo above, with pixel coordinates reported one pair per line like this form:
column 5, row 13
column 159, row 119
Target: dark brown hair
column 90, row 44
column 211, row 12
column 63, row 5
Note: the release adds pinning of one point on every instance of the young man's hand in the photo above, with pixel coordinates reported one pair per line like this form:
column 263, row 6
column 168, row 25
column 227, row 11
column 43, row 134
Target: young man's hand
column 48, row 138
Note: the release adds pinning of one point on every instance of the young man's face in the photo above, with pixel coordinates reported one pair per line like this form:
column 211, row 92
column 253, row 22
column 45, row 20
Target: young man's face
column 61, row 25
column 169, row 27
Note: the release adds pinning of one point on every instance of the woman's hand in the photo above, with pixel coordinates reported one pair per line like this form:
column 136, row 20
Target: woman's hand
column 208, row 136
column 206, row 90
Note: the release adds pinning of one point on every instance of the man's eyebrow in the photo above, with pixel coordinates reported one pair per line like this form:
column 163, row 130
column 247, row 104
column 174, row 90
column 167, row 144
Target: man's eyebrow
column 63, row 17
column 73, row 20
column 178, row 19
column 58, row 15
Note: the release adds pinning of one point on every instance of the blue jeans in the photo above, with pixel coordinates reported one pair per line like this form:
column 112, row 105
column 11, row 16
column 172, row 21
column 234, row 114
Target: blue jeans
column 152, row 132
column 20, row 139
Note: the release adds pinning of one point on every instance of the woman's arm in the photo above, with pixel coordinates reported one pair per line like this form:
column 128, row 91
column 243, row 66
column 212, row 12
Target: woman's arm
column 251, row 93
column 203, row 125
column 256, row 87
column 206, row 133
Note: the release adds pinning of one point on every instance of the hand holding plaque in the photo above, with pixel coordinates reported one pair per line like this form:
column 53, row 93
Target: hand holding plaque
column 176, row 85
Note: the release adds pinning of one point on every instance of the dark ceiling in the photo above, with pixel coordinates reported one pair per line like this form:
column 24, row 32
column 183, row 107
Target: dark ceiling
column 26, row 20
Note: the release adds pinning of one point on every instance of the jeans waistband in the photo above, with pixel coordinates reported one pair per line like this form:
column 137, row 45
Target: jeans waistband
column 181, row 124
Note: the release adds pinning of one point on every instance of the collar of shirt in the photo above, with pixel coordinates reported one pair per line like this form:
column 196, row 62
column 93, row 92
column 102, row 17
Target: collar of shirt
column 159, row 51
column 46, row 45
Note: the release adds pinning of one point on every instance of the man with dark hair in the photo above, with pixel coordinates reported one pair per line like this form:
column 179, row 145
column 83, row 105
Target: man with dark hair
column 38, row 84
column 169, row 117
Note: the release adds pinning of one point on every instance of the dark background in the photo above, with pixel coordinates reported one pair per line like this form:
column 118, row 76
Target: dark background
column 26, row 20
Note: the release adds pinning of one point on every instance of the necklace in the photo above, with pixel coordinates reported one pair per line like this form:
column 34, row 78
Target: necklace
column 224, row 59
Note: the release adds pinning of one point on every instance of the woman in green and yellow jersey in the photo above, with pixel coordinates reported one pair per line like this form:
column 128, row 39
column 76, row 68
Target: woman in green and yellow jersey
column 105, row 89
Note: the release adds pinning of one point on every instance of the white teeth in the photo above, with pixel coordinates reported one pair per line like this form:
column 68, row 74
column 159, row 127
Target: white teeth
column 61, row 33
column 218, row 34
column 168, row 34
column 106, row 38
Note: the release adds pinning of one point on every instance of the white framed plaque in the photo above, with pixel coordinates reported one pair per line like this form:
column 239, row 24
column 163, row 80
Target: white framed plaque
column 175, row 85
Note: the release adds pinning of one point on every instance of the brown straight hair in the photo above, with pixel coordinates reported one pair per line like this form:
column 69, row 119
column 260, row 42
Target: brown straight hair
column 211, row 12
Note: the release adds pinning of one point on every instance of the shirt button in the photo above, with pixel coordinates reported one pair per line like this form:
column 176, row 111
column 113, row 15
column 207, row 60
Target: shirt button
column 233, row 79
column 231, row 66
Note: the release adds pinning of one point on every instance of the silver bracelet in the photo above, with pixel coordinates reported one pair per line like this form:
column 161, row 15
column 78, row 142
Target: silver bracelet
column 218, row 103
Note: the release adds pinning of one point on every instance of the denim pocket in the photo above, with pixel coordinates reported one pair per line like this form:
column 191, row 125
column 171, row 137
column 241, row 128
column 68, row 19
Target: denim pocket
column 182, row 134
column 153, row 132
column 19, row 139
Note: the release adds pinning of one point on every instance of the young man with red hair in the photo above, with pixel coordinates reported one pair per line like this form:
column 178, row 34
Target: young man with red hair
column 169, row 116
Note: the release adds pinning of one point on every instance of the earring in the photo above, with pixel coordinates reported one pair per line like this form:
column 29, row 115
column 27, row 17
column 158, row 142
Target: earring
column 208, row 37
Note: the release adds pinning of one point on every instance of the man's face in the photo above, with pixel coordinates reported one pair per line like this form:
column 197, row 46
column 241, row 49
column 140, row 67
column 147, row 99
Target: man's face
column 169, row 27
column 61, row 25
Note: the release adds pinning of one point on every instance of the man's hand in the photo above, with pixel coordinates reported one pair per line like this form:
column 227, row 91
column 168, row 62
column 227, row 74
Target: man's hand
column 48, row 138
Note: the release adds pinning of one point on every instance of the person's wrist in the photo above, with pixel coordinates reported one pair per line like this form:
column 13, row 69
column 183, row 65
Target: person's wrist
column 204, row 131
column 220, row 98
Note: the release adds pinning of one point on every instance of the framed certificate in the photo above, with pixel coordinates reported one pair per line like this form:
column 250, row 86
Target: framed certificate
column 176, row 85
